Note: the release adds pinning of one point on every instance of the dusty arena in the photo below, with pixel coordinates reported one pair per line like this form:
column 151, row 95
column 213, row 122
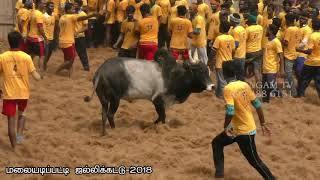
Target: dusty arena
column 63, row 130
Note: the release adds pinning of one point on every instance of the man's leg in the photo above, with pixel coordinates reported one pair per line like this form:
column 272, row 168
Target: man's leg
column 107, row 36
column 257, row 68
column 289, row 82
column 202, row 54
column 305, row 79
column 248, row 148
column 218, row 144
column 48, row 52
column 81, row 49
column 316, row 77
column 193, row 50
column 12, row 131
column 240, row 72
column 220, row 83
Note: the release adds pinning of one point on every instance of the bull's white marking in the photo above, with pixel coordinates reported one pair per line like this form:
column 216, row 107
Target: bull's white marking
column 146, row 81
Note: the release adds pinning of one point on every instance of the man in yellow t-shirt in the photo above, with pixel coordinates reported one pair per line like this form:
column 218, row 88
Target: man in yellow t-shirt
column 147, row 28
column 254, row 47
column 36, row 35
column 304, row 34
column 15, row 67
column 128, row 35
column 311, row 68
column 22, row 23
column 80, row 38
column 121, row 6
column 199, row 38
column 212, row 34
column 223, row 50
column 180, row 29
column 163, row 36
column 203, row 9
column 109, row 21
column 67, row 26
column 156, row 11
column 272, row 63
column 239, row 124
column 239, row 34
column 290, row 43
column 49, row 21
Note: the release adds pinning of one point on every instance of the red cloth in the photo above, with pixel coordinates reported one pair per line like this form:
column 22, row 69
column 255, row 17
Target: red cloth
column 69, row 53
column 147, row 51
column 184, row 53
column 10, row 106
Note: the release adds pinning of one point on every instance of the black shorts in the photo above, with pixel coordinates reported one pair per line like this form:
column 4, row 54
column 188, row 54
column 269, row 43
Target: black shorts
column 128, row 53
column 36, row 48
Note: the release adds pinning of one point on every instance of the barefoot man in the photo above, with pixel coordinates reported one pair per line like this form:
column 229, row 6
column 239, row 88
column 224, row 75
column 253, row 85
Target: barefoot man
column 15, row 67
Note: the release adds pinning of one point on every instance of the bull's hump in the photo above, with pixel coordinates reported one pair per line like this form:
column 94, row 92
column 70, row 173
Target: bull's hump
column 146, row 80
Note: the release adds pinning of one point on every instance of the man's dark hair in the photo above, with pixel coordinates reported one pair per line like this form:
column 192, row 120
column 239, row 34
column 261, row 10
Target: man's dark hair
column 68, row 6
column 224, row 27
column 130, row 9
column 80, row 2
column 228, row 68
column 145, row 9
column 36, row 2
column 290, row 18
column 276, row 21
column 225, row 5
column 273, row 29
column 14, row 39
column 182, row 10
column 287, row 2
column 48, row 3
column 316, row 24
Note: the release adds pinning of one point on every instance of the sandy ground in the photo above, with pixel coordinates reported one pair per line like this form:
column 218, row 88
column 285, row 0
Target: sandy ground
column 65, row 131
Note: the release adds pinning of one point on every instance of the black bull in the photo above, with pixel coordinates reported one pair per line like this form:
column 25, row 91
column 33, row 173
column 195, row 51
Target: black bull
column 164, row 82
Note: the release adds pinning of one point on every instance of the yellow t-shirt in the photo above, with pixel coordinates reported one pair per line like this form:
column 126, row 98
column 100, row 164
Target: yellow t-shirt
column 260, row 20
column 156, row 11
column 204, row 10
column 314, row 44
column 270, row 56
column 239, row 35
column 19, row 4
column 49, row 23
column 148, row 28
column 239, row 95
column 282, row 17
column 173, row 13
column 304, row 35
column 23, row 15
column 67, row 25
column 201, row 39
column 127, row 28
column 35, row 19
column 180, row 28
column 265, row 24
column 254, row 38
column 137, row 12
column 111, row 9
column 121, row 10
column 165, row 8
column 181, row 2
column 81, row 24
column 291, row 35
column 15, row 67
column 224, row 45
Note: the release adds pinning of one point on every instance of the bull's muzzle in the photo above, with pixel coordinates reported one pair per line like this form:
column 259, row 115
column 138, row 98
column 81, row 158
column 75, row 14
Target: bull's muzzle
column 210, row 87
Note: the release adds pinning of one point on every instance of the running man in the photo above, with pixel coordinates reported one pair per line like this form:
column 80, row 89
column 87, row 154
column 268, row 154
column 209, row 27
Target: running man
column 163, row 36
column 128, row 36
column 109, row 21
column 239, row 125
column 67, row 25
column 49, row 28
column 15, row 67
column 223, row 50
column 199, row 38
column 311, row 68
column 180, row 29
column 36, row 34
column 147, row 29
column 273, row 63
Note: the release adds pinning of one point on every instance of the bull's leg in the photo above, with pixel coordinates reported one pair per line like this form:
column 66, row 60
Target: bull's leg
column 104, row 116
column 114, row 104
column 159, row 105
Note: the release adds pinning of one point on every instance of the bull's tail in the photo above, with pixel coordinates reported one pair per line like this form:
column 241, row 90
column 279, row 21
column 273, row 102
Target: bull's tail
column 95, row 84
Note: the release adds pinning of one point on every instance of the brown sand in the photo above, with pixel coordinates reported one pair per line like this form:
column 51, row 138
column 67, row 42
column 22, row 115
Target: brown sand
column 65, row 131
